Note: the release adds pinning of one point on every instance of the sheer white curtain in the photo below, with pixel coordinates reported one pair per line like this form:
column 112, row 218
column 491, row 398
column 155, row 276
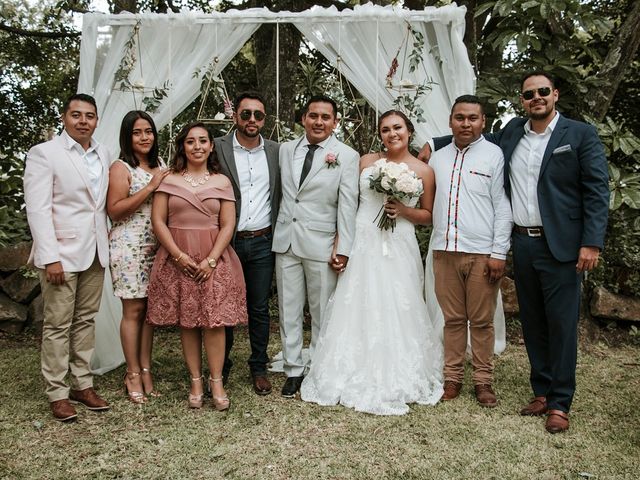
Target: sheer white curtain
column 366, row 40
column 167, row 50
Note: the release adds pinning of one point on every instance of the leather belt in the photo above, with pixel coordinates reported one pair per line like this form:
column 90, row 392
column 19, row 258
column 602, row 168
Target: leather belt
column 530, row 231
column 253, row 234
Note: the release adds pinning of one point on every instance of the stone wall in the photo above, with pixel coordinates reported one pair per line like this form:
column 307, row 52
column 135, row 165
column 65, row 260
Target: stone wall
column 20, row 299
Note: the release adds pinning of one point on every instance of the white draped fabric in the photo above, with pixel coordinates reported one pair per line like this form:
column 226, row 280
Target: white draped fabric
column 362, row 43
column 168, row 50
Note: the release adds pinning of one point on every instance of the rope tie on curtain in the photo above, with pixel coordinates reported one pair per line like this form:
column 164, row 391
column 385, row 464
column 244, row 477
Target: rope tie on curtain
column 377, row 63
column 278, row 79
column 170, row 91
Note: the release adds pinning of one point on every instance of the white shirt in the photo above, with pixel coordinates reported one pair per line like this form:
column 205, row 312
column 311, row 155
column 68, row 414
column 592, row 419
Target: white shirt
column 524, row 172
column 253, row 176
column 301, row 152
column 91, row 160
column 471, row 211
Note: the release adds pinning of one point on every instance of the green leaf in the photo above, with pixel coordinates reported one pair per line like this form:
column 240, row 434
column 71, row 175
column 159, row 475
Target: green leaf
column 544, row 10
column 529, row 4
column 614, row 172
column 631, row 197
column 615, row 201
column 483, row 8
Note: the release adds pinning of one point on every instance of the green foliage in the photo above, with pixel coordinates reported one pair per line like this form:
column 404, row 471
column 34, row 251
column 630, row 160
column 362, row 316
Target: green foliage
column 122, row 77
column 619, row 270
column 38, row 73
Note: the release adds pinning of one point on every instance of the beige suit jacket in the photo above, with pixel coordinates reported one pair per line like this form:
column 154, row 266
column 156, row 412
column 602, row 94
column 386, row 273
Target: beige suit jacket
column 67, row 223
column 325, row 203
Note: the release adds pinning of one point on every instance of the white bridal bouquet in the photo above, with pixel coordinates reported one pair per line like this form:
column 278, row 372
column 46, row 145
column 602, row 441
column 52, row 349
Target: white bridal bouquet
column 396, row 181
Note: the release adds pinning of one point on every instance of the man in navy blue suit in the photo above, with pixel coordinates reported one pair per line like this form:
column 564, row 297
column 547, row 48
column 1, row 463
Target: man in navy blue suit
column 556, row 177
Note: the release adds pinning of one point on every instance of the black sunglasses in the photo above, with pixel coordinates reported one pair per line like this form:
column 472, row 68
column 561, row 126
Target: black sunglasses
column 257, row 114
column 542, row 91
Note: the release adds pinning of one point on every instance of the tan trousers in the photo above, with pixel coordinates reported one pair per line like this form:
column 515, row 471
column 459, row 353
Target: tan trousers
column 68, row 337
column 465, row 295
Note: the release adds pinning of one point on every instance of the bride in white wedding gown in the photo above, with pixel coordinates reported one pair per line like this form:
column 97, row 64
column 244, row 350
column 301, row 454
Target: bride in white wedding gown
column 377, row 350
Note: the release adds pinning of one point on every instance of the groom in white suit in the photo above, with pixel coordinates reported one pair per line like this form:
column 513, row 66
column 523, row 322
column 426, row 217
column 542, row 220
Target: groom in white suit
column 314, row 230
column 65, row 189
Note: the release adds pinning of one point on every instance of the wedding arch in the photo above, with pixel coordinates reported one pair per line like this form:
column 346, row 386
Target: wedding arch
column 126, row 59
column 155, row 62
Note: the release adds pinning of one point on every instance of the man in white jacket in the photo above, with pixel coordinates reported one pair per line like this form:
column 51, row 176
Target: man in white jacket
column 65, row 188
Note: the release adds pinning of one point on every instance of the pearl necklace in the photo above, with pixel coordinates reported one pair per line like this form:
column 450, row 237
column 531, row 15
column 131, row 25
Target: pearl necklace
column 194, row 182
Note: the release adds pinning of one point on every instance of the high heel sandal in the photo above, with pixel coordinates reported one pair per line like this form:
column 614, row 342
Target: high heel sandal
column 153, row 392
column 219, row 403
column 134, row 397
column 195, row 401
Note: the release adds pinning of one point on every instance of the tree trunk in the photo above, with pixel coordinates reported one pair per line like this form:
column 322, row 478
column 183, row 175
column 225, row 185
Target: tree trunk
column 265, row 53
column 119, row 6
column 620, row 56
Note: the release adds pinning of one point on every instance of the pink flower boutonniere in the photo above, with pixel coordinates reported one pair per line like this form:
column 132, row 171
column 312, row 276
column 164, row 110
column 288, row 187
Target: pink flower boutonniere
column 332, row 160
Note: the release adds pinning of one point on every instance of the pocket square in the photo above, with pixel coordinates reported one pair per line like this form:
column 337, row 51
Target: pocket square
column 562, row 149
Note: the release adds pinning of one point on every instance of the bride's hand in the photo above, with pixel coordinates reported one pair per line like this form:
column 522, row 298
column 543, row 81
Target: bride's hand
column 394, row 208
column 338, row 263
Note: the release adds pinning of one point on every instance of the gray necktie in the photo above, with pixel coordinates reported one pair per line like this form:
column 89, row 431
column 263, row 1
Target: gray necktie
column 308, row 160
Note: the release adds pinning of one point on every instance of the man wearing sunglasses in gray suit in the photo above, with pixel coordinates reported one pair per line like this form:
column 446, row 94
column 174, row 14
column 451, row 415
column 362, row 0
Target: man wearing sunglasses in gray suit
column 556, row 177
column 251, row 163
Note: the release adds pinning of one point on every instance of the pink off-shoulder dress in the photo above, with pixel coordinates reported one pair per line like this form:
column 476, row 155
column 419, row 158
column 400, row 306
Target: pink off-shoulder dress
column 177, row 299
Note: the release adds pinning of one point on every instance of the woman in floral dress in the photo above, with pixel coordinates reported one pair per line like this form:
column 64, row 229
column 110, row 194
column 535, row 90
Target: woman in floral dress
column 197, row 281
column 132, row 245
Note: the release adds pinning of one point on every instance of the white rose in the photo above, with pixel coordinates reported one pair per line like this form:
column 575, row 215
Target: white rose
column 406, row 184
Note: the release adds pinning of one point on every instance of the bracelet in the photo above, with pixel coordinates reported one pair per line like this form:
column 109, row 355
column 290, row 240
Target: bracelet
column 178, row 259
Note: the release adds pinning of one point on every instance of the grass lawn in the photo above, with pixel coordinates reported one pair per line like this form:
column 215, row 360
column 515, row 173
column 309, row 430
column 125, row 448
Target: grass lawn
column 272, row 437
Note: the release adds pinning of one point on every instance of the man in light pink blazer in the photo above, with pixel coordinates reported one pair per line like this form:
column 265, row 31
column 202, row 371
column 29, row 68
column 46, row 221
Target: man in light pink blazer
column 65, row 188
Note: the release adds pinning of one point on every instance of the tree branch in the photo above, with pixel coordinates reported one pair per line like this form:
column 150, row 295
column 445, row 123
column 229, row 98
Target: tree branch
column 35, row 33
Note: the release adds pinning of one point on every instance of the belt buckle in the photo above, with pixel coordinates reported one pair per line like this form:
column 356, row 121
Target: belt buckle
column 534, row 232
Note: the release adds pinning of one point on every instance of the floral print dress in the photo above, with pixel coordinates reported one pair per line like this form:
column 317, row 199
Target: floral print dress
column 132, row 243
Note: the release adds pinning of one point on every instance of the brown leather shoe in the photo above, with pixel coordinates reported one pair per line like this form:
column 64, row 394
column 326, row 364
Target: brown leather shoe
column 557, row 421
column 89, row 398
column 261, row 385
column 537, row 406
column 63, row 411
column 485, row 396
column 451, row 390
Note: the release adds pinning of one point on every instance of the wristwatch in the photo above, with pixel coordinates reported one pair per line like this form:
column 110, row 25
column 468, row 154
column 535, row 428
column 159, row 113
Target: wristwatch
column 212, row 262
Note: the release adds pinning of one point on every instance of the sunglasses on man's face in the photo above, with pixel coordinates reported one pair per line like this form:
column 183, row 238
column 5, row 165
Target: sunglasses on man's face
column 542, row 91
column 257, row 114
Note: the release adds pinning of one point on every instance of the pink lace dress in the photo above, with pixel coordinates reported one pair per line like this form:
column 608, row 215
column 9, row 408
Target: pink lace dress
column 176, row 299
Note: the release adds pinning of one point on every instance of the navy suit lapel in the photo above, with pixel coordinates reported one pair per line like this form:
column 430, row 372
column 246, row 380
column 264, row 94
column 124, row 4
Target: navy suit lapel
column 554, row 141
column 508, row 147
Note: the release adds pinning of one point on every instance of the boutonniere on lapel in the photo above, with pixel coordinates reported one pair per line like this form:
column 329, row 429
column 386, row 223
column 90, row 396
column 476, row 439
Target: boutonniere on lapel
column 332, row 160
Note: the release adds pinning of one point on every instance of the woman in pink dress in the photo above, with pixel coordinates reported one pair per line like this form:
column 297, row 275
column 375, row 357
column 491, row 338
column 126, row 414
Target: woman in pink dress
column 132, row 245
column 196, row 280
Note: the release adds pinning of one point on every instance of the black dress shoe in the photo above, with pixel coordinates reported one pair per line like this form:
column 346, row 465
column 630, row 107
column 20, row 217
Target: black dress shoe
column 291, row 386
